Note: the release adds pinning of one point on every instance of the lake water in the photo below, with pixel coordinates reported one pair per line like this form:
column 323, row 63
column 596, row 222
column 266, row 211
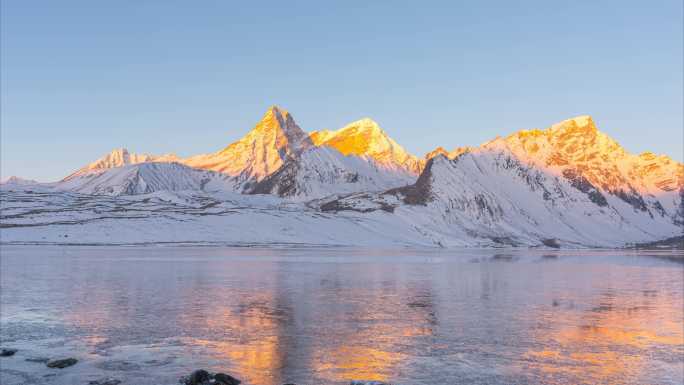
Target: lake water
column 328, row 316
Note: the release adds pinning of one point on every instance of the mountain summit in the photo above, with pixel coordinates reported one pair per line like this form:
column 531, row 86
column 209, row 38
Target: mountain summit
column 365, row 138
column 575, row 146
column 259, row 153
column 118, row 158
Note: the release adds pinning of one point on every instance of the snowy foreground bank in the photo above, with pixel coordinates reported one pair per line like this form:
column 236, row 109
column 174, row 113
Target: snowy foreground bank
column 49, row 217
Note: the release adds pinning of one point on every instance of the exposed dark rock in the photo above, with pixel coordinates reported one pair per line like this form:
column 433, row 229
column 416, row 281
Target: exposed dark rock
column 337, row 205
column 352, row 178
column 7, row 352
column 198, row 377
column 505, row 241
column 632, row 198
column 282, row 182
column 356, row 382
column 341, row 205
column 679, row 215
column 550, row 242
column 225, row 379
column 482, row 205
column 419, row 193
column 578, row 181
column 61, row 363
column 202, row 377
column 669, row 243
column 659, row 208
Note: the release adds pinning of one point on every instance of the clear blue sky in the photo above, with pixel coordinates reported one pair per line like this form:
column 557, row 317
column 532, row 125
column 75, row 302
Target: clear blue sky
column 80, row 78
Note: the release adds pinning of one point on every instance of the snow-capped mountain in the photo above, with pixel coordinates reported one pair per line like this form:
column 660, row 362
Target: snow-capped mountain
column 568, row 185
column 17, row 181
column 365, row 138
column 577, row 150
column 278, row 157
column 145, row 178
column 321, row 171
column 490, row 193
column 261, row 152
column 118, row 158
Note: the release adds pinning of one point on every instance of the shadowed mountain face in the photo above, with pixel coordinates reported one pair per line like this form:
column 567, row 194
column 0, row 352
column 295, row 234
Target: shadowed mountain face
column 569, row 183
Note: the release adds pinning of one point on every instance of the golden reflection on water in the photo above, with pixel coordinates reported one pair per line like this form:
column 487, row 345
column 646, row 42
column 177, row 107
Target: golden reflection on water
column 607, row 343
column 346, row 362
column 262, row 333
column 252, row 343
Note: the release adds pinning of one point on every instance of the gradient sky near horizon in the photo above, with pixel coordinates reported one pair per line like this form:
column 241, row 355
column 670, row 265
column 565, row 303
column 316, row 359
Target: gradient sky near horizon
column 80, row 78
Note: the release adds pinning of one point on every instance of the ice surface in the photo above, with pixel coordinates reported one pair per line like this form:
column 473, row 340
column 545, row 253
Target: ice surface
column 330, row 316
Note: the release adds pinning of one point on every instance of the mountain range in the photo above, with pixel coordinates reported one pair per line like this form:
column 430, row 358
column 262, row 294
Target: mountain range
column 569, row 185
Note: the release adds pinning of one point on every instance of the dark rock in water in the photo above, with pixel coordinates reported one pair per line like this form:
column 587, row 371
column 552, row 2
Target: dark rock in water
column 202, row 377
column 40, row 360
column 225, row 379
column 105, row 381
column 198, row 377
column 61, row 364
column 7, row 352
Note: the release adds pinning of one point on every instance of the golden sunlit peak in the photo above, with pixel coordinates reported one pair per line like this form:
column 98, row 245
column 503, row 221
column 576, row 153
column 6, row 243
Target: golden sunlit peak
column 275, row 109
column 367, row 128
column 437, row 151
column 584, row 122
column 364, row 137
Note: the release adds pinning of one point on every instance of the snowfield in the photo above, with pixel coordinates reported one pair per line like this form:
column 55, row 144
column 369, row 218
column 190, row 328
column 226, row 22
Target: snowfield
column 567, row 186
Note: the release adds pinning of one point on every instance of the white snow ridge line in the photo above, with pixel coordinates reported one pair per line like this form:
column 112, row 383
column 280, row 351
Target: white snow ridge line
column 566, row 186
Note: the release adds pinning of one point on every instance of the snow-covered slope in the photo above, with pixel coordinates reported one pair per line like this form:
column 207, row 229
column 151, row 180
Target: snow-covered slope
column 259, row 153
column 118, row 158
column 144, row 178
column 365, row 138
column 489, row 197
column 569, row 184
column 576, row 149
column 323, row 171
column 493, row 194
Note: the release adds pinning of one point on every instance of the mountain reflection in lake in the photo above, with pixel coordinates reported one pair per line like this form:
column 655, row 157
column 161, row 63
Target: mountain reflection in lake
column 270, row 316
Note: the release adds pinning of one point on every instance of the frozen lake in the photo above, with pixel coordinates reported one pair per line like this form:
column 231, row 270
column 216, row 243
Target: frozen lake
column 327, row 316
